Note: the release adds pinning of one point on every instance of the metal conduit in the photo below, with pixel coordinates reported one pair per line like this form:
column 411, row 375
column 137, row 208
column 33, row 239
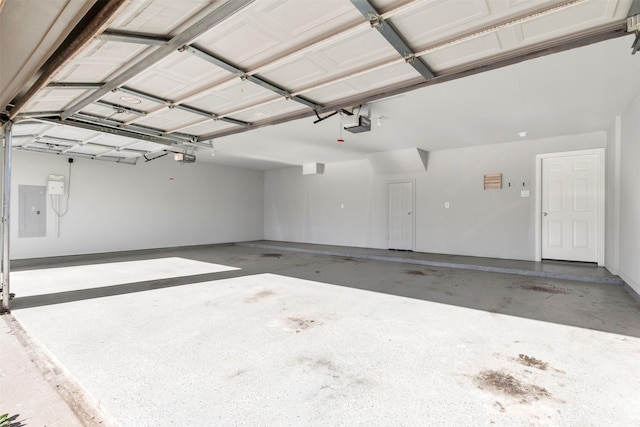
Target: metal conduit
column 6, row 204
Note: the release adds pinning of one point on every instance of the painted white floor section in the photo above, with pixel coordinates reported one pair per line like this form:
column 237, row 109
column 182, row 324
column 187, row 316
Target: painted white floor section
column 268, row 350
column 52, row 280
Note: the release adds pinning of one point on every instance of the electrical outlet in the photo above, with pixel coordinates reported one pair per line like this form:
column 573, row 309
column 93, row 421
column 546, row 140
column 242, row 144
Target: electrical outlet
column 446, row 205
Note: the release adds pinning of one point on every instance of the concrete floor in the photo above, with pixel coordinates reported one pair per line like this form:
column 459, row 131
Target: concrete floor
column 300, row 338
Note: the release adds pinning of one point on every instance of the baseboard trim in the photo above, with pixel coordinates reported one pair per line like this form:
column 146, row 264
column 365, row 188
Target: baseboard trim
column 634, row 294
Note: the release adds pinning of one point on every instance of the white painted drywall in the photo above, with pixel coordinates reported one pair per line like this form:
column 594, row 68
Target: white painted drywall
column 340, row 207
column 612, row 197
column 161, row 203
column 490, row 223
column 629, row 269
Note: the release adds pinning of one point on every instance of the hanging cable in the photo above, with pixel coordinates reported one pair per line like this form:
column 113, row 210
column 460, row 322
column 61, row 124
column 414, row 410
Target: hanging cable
column 66, row 209
column 340, row 140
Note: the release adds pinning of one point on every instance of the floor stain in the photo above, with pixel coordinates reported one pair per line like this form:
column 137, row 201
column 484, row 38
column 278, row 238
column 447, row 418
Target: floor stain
column 506, row 383
column 300, row 323
column 532, row 362
column 415, row 272
column 238, row 373
column 271, row 255
column 339, row 381
column 259, row 296
column 545, row 288
column 346, row 259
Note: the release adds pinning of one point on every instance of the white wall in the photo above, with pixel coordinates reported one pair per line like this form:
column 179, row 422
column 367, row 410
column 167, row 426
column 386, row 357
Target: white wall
column 161, row 203
column 629, row 269
column 490, row 223
column 612, row 213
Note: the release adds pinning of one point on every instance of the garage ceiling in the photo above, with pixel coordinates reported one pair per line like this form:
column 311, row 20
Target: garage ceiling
column 190, row 75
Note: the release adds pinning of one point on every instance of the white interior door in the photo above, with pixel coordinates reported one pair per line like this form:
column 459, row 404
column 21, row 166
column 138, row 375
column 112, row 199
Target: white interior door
column 401, row 215
column 570, row 208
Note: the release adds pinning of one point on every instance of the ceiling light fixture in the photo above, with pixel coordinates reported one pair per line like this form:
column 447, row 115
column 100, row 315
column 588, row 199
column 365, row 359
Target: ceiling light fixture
column 130, row 99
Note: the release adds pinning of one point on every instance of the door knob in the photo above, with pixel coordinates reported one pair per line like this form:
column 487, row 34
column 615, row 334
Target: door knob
column 544, row 214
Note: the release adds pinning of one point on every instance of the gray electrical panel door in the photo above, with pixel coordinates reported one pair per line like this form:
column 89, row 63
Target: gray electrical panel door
column 32, row 211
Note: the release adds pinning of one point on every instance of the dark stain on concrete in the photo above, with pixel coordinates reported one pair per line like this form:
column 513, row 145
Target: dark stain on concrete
column 340, row 380
column 545, row 288
column 415, row 272
column 300, row 323
column 505, row 383
column 271, row 255
column 346, row 259
column 259, row 296
column 532, row 362
column 238, row 373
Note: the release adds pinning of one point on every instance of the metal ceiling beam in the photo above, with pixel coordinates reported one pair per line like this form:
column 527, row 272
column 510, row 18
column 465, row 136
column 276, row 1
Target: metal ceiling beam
column 118, row 149
column 182, row 107
column 64, row 85
column 203, row 25
column 135, row 128
column 244, row 76
column 393, row 36
column 133, row 37
column 608, row 32
column 115, row 131
column 120, row 108
column 143, row 95
column 123, row 160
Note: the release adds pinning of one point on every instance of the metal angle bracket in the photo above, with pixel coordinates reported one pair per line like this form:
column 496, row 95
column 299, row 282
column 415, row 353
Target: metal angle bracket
column 636, row 43
column 393, row 37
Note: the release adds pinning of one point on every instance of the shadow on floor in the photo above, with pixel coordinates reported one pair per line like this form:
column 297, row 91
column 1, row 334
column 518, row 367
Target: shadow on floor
column 597, row 306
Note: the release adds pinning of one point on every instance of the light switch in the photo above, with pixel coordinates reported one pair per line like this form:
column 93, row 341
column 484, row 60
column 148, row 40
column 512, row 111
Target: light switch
column 524, row 193
column 446, row 205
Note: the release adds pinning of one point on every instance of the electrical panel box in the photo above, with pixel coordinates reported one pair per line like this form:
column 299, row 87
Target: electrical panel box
column 55, row 185
column 55, row 188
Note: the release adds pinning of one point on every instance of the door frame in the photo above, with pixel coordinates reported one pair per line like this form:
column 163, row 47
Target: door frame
column 600, row 152
column 413, row 209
